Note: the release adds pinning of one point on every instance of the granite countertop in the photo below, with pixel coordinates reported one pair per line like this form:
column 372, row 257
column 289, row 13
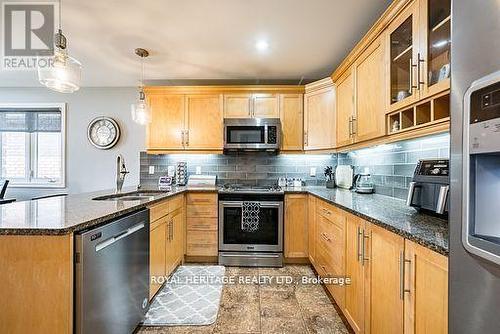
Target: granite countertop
column 390, row 213
column 73, row 213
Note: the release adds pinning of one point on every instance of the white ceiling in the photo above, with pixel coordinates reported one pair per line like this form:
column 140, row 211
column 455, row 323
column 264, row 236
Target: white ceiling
column 209, row 39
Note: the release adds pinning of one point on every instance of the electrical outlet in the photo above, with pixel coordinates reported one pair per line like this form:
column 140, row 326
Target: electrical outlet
column 198, row 170
column 151, row 170
column 312, row 172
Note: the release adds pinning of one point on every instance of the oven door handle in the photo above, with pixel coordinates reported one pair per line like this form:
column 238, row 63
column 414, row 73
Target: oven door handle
column 263, row 204
column 252, row 255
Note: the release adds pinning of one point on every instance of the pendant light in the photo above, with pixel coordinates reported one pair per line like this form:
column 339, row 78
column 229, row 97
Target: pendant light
column 64, row 73
column 141, row 113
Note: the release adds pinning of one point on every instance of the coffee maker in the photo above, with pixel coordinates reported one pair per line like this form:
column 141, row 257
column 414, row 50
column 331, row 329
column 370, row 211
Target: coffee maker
column 430, row 187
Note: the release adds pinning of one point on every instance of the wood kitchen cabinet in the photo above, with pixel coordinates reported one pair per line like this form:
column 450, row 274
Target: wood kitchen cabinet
column 386, row 263
column 204, row 122
column 330, row 247
column 369, row 113
column 166, row 130
column 426, row 290
column 319, row 116
column 418, row 43
column 356, row 267
column 202, row 225
column 296, row 239
column 258, row 105
column 345, row 108
column 237, row 105
column 157, row 254
column 174, row 240
column 292, row 121
column 311, row 229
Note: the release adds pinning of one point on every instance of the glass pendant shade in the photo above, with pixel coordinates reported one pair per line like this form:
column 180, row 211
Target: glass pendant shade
column 63, row 75
column 141, row 113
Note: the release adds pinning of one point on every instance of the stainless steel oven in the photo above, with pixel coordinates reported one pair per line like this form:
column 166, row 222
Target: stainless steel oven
column 251, row 229
column 256, row 134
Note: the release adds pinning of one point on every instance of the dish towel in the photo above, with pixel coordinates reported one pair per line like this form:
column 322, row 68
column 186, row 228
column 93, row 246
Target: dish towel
column 250, row 216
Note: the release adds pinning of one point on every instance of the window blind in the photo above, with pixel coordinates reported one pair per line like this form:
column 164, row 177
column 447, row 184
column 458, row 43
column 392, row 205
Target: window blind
column 30, row 120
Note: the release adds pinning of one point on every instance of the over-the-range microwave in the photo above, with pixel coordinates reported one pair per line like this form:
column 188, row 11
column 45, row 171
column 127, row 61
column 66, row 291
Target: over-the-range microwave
column 252, row 134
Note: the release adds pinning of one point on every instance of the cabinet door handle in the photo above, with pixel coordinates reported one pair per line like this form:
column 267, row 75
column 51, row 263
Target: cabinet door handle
column 412, row 76
column 305, row 139
column 402, row 275
column 350, row 126
column 182, row 137
column 419, row 70
column 354, row 125
column 363, row 251
column 360, row 254
column 187, row 137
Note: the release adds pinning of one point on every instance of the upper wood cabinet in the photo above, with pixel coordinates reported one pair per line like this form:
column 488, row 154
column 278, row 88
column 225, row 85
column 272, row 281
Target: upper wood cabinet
column 418, row 44
column 435, row 46
column 238, row 105
column 181, row 122
column 166, row 130
column 296, row 239
column 265, row 106
column 402, row 57
column 204, row 122
column 319, row 116
column 259, row 105
column 426, row 291
column 345, row 108
column 369, row 119
column 292, row 121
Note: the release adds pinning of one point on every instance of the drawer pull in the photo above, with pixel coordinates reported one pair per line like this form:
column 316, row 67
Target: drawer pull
column 327, row 211
column 325, row 236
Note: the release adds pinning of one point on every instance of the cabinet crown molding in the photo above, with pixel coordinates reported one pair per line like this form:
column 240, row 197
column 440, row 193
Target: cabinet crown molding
column 154, row 90
column 317, row 85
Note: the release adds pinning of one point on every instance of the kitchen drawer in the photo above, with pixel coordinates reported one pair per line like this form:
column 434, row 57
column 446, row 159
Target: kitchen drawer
column 155, row 224
column 159, row 210
column 331, row 241
column 202, row 224
column 202, row 198
column 198, row 210
column 330, row 212
column 324, row 269
column 176, row 202
column 202, row 243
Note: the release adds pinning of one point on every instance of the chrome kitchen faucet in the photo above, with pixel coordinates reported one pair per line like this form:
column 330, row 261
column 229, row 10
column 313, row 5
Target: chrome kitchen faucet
column 121, row 172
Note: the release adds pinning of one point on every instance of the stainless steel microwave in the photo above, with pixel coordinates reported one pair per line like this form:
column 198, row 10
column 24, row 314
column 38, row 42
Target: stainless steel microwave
column 252, row 134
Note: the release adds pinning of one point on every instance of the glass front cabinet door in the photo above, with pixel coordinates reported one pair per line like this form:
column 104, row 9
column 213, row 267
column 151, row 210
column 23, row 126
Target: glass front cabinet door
column 418, row 43
column 435, row 19
column 403, row 54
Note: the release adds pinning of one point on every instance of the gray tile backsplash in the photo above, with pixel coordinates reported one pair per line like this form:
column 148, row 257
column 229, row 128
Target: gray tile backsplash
column 249, row 169
column 390, row 165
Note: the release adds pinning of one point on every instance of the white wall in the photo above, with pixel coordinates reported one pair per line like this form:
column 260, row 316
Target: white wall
column 87, row 168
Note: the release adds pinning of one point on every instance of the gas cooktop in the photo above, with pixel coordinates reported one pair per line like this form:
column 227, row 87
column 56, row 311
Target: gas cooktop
column 242, row 189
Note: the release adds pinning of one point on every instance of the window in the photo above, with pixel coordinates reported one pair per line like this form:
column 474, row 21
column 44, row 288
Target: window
column 32, row 145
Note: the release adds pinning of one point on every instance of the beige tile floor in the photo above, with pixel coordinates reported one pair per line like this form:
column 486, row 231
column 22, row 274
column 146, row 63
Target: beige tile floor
column 269, row 308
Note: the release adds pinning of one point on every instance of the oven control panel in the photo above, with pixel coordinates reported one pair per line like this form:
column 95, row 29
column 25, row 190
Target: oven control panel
column 271, row 134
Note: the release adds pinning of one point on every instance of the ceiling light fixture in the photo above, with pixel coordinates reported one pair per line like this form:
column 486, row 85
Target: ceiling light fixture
column 262, row 45
column 64, row 72
column 141, row 113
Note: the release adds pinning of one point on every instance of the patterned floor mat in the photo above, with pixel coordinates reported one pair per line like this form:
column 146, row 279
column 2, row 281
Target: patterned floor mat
column 190, row 297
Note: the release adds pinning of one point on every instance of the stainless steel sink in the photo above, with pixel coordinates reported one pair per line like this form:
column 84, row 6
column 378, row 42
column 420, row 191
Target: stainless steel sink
column 130, row 196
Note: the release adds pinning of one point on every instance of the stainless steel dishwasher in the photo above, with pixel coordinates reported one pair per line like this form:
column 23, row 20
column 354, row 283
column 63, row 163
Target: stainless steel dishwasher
column 112, row 275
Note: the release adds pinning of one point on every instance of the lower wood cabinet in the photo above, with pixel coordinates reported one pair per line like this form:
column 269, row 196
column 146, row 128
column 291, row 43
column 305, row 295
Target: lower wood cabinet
column 295, row 225
column 396, row 286
column 426, row 290
column 202, row 224
column 311, row 229
column 386, row 289
column 166, row 240
column 356, row 268
column 157, row 254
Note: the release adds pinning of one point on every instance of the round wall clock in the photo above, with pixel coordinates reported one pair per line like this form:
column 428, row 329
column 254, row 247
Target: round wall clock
column 103, row 132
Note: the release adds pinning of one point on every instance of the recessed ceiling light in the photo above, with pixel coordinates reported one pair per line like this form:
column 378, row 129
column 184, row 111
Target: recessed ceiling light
column 262, row 45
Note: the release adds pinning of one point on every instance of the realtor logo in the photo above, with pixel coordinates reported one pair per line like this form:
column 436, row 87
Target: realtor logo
column 28, row 34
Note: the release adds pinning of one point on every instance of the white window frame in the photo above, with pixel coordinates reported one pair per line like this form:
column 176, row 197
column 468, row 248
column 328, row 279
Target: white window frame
column 62, row 107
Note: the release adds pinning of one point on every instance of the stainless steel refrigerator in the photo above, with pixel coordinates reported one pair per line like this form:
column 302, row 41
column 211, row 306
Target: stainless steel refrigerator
column 474, row 303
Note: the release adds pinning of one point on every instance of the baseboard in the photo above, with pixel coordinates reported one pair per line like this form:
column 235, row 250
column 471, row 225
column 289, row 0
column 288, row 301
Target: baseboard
column 296, row 260
column 201, row 259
